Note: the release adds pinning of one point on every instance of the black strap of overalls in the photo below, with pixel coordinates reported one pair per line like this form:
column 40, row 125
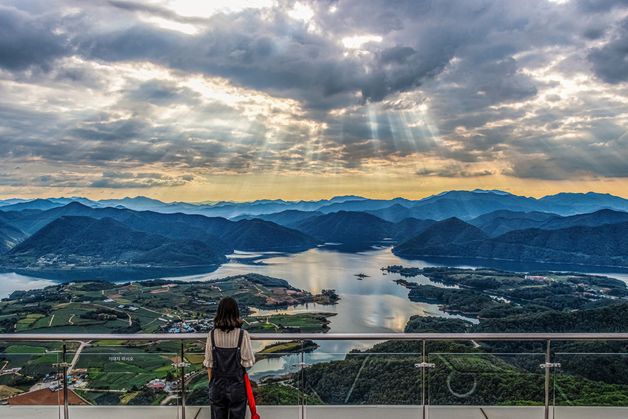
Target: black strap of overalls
column 240, row 339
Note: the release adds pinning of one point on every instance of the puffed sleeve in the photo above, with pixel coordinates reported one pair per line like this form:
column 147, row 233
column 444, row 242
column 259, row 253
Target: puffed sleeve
column 208, row 362
column 246, row 351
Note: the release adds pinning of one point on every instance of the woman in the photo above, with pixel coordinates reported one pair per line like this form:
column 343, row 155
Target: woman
column 227, row 353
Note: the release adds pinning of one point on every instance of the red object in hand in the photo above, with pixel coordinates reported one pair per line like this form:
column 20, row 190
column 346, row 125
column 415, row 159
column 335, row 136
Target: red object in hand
column 250, row 397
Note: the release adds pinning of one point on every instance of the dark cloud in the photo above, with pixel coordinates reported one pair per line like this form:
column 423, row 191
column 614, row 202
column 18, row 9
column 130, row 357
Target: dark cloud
column 601, row 5
column 601, row 152
column 122, row 180
column 610, row 62
column 27, row 41
column 160, row 92
column 153, row 10
column 536, row 167
column 118, row 130
column 454, row 171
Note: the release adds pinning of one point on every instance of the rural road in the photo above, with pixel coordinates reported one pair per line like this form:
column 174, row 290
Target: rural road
column 76, row 356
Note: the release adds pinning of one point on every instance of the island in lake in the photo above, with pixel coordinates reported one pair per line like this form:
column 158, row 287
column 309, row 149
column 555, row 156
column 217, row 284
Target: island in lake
column 159, row 306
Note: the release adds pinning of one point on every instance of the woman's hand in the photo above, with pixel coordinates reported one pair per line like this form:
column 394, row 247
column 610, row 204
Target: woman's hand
column 209, row 373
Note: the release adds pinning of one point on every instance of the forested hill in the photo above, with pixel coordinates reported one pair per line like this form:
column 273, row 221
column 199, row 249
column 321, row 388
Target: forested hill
column 87, row 242
column 603, row 245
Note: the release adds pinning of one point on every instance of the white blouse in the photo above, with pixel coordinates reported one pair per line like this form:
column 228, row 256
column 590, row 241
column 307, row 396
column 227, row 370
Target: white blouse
column 230, row 340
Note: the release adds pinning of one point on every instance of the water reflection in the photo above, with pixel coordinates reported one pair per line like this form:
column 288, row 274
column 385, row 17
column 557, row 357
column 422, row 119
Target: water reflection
column 12, row 281
column 372, row 304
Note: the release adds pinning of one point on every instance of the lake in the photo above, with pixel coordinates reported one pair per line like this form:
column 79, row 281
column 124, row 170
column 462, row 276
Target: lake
column 373, row 304
column 12, row 281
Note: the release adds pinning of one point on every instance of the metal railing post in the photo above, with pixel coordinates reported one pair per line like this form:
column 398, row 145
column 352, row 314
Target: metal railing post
column 182, row 381
column 302, row 414
column 64, row 365
column 547, row 377
column 423, row 372
column 181, row 367
column 424, row 365
column 548, row 366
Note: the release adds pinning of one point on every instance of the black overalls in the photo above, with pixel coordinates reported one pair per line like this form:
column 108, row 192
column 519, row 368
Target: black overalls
column 227, row 392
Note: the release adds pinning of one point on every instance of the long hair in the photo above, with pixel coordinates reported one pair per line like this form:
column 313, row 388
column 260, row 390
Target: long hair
column 228, row 315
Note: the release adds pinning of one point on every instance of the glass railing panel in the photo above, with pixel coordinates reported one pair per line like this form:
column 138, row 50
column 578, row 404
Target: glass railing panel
column 591, row 383
column 197, row 383
column 384, row 377
column 31, row 374
column 274, row 377
column 483, row 379
column 121, row 374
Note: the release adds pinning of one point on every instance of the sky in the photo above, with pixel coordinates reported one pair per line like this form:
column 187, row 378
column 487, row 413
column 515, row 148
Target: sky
column 241, row 100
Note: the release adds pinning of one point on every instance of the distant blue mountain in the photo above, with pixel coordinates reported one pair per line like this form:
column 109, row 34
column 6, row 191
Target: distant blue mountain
column 12, row 201
column 603, row 245
column 465, row 205
column 502, row 221
column 39, row 204
column 284, row 218
column 363, row 205
column 579, row 203
column 470, row 204
column 499, row 222
column 81, row 200
column 594, row 219
column 138, row 203
column 255, row 208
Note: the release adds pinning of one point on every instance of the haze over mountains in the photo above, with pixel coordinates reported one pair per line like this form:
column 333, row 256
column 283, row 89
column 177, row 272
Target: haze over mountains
column 461, row 204
column 69, row 233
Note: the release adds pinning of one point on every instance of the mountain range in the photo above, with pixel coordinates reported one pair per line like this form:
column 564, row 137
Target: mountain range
column 563, row 228
column 460, row 204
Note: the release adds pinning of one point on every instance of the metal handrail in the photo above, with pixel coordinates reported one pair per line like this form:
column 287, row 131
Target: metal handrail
column 80, row 337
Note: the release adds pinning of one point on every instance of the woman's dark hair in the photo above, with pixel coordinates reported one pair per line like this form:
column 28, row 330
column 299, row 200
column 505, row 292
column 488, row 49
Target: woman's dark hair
column 228, row 315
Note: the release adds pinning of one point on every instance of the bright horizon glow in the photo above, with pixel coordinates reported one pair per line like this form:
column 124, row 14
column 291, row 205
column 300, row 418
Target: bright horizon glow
column 251, row 188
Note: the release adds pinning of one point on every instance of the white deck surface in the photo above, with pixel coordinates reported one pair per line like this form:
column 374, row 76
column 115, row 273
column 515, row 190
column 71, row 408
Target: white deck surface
column 318, row 412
